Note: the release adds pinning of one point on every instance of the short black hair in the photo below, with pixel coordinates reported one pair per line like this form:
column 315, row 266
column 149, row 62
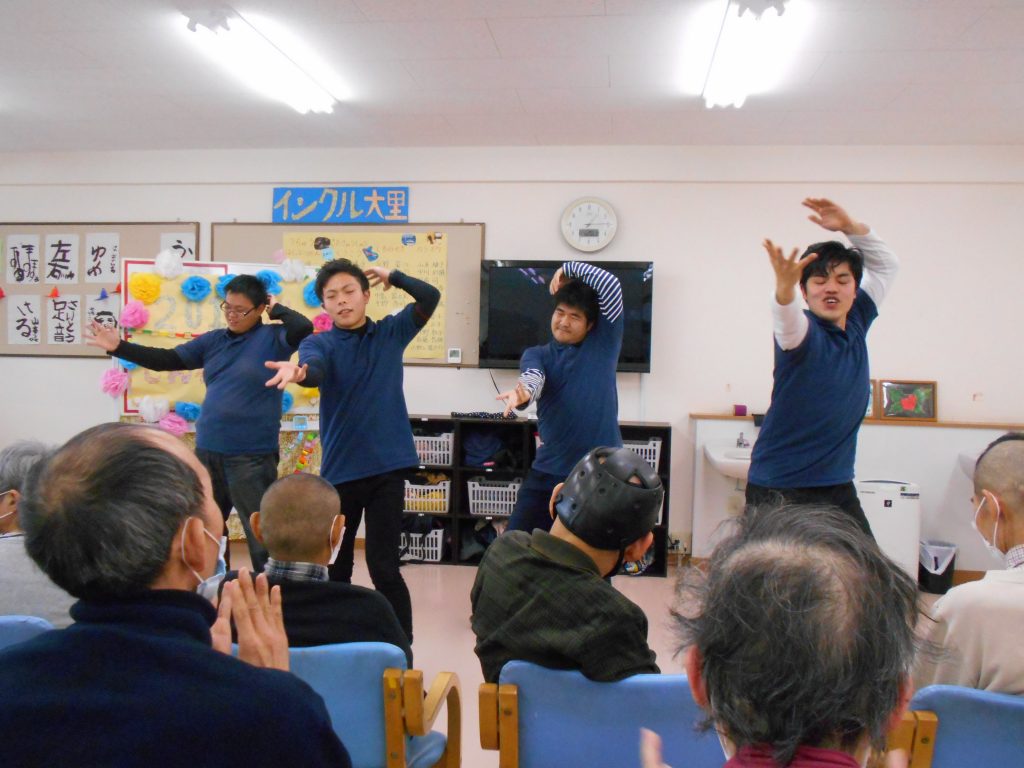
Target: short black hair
column 101, row 512
column 579, row 295
column 805, row 630
column 831, row 254
column 249, row 286
column 337, row 267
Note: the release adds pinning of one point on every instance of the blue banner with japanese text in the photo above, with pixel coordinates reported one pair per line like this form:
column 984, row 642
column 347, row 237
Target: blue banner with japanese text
column 340, row 205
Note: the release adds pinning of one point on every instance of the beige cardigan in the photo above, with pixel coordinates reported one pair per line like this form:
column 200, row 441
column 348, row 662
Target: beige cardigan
column 980, row 628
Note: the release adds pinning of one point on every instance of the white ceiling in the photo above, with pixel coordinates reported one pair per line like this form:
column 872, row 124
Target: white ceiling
column 113, row 74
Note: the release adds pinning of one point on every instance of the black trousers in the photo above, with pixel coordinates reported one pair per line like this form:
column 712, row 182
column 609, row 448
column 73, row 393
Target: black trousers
column 240, row 482
column 843, row 496
column 382, row 498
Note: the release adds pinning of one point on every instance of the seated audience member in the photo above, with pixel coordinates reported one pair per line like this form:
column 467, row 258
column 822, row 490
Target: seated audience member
column 123, row 517
column 301, row 525
column 979, row 625
column 545, row 598
column 799, row 640
column 24, row 589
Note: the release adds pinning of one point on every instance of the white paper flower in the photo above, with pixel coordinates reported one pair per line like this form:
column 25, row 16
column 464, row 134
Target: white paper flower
column 293, row 271
column 152, row 409
column 168, row 264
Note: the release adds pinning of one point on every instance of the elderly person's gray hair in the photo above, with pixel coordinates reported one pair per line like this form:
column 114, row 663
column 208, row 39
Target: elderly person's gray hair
column 17, row 460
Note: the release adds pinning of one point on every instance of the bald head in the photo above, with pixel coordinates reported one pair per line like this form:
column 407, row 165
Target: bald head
column 296, row 514
column 1000, row 470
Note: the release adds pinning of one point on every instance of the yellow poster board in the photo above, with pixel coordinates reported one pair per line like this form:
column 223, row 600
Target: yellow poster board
column 424, row 256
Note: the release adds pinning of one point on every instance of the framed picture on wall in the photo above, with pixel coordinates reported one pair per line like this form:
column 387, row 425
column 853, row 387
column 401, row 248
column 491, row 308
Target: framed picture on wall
column 908, row 400
column 872, row 411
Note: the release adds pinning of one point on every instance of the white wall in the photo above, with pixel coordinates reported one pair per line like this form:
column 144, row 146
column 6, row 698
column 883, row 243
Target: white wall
column 698, row 213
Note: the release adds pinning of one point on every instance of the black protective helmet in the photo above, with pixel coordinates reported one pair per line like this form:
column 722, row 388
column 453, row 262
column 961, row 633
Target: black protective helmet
column 599, row 504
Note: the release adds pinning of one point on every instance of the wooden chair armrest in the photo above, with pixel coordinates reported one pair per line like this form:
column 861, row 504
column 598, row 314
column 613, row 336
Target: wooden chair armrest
column 419, row 713
column 488, row 716
column 924, row 739
column 394, row 731
column 508, row 726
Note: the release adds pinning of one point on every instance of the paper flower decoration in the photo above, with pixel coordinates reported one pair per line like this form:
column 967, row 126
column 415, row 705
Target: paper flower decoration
column 322, row 322
column 293, row 271
column 287, row 401
column 221, row 282
column 114, row 382
column 126, row 364
column 152, row 409
column 174, row 424
column 188, row 411
column 195, row 288
column 134, row 315
column 271, row 280
column 309, row 294
column 168, row 264
column 144, row 287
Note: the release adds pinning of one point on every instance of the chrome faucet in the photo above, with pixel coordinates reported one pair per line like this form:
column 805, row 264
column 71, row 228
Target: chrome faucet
column 742, row 442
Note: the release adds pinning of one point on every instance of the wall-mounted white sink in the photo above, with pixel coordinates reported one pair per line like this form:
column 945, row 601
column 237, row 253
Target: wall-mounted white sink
column 728, row 458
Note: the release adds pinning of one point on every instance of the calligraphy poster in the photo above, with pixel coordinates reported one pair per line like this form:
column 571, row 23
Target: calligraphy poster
column 63, row 320
column 102, row 258
column 21, row 254
column 23, row 319
column 60, row 259
column 181, row 243
column 106, row 311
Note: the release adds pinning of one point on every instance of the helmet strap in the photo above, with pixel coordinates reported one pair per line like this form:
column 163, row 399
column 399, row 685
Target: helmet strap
column 618, row 564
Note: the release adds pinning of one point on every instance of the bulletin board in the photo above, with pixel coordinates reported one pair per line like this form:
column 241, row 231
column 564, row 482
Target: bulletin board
column 445, row 255
column 57, row 277
column 172, row 318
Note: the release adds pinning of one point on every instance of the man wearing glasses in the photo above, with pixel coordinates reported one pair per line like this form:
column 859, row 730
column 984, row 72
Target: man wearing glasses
column 237, row 430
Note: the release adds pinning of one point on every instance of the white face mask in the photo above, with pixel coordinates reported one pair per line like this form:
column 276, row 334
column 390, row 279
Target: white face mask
column 337, row 547
column 989, row 545
column 221, row 566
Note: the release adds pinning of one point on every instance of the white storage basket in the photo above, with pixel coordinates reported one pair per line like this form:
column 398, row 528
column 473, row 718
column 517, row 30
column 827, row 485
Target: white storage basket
column 425, row 547
column 648, row 450
column 432, row 499
column 434, row 450
column 492, row 498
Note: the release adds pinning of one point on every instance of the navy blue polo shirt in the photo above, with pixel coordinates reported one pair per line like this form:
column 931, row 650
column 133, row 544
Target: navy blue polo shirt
column 240, row 415
column 578, row 408
column 820, row 394
column 364, row 422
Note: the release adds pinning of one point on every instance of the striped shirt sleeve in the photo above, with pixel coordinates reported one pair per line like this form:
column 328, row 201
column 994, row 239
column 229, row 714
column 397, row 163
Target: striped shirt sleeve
column 605, row 284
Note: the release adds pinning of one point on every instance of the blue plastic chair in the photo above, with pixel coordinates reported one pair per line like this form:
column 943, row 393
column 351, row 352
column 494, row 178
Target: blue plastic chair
column 18, row 629
column 538, row 717
column 377, row 706
column 973, row 727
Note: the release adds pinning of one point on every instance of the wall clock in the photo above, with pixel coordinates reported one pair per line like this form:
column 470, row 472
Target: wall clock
column 589, row 224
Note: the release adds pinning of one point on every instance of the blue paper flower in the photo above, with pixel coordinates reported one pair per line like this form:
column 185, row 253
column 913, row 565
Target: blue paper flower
column 188, row 411
column 309, row 294
column 221, row 282
column 195, row 288
column 287, row 401
column 126, row 365
column 271, row 280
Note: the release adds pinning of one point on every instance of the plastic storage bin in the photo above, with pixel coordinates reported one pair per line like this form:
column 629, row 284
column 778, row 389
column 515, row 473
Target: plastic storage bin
column 428, row 498
column 648, row 450
column 434, row 450
column 425, row 547
column 492, row 498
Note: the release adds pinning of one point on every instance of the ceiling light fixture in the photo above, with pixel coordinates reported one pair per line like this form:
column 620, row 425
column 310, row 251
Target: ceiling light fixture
column 265, row 57
column 735, row 48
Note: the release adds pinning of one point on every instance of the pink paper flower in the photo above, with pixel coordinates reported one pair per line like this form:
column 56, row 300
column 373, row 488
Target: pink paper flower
column 134, row 315
column 322, row 322
column 174, row 424
column 114, row 382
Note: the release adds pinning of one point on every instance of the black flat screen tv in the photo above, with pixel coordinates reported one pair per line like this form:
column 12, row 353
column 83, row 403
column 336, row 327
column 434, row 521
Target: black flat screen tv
column 516, row 308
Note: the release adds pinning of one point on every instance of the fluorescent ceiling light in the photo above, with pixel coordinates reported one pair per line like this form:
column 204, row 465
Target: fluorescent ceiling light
column 730, row 53
column 267, row 58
